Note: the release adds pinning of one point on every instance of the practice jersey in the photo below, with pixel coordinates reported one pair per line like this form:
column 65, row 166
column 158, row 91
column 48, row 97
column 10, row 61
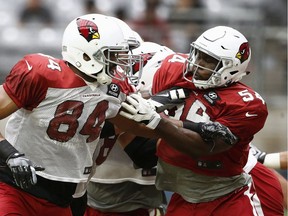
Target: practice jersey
column 60, row 117
column 238, row 107
column 118, row 167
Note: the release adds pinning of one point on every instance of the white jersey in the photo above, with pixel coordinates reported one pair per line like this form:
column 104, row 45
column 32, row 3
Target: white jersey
column 118, row 167
column 60, row 116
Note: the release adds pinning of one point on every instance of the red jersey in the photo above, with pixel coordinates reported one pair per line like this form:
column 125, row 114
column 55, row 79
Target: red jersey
column 238, row 107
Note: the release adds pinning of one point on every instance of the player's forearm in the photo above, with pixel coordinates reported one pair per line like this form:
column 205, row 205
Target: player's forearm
column 133, row 127
column 7, row 105
column 283, row 160
column 188, row 141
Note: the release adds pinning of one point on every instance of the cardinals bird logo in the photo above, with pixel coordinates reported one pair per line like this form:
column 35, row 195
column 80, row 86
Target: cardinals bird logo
column 88, row 29
column 244, row 52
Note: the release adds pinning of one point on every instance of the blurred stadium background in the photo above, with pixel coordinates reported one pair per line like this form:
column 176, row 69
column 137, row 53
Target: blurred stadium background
column 263, row 22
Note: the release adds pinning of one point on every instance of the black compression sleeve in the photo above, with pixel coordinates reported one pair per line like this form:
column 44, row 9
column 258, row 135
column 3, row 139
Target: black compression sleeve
column 6, row 150
column 142, row 152
column 196, row 127
column 107, row 130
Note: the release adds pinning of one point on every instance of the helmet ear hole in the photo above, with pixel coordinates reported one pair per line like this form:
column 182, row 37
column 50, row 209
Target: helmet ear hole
column 86, row 57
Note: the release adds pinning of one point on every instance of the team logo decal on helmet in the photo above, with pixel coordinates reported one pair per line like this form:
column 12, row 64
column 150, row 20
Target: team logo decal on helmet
column 244, row 52
column 88, row 29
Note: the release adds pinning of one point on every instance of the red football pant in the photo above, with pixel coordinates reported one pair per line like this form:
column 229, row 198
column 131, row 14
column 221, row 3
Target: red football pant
column 17, row 202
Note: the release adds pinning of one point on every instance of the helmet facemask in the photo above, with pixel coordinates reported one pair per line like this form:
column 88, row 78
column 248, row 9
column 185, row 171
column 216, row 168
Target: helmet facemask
column 117, row 63
column 192, row 66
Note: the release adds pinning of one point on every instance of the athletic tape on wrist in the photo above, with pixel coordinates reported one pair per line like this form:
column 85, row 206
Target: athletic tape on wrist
column 272, row 160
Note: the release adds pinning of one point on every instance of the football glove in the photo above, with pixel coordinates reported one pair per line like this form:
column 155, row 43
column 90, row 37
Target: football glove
column 260, row 156
column 169, row 98
column 23, row 172
column 211, row 130
column 140, row 110
column 214, row 130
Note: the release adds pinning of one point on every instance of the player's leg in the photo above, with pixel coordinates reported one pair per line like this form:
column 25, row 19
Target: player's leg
column 12, row 201
column 18, row 202
column 241, row 202
column 139, row 212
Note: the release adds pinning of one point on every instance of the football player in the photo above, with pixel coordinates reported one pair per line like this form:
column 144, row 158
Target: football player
column 206, row 174
column 118, row 187
column 57, row 108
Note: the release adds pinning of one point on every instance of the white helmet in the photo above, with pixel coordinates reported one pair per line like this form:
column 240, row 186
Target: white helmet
column 95, row 44
column 153, row 54
column 132, row 37
column 226, row 45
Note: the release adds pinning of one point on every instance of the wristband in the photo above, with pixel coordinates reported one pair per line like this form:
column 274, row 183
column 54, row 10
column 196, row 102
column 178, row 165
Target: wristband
column 196, row 127
column 6, row 150
column 272, row 160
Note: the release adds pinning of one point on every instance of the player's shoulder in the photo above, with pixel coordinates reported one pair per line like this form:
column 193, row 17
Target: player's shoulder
column 176, row 58
column 172, row 65
column 242, row 96
column 38, row 59
column 38, row 63
column 45, row 69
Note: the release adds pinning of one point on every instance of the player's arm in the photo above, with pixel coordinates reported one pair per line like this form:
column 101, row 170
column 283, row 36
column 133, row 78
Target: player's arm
column 162, row 101
column 191, row 142
column 277, row 160
column 182, row 139
column 22, row 170
column 141, row 150
column 128, row 125
column 7, row 106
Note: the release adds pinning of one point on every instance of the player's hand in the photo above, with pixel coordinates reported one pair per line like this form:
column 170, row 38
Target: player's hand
column 214, row 130
column 169, row 98
column 260, row 156
column 23, row 172
column 140, row 110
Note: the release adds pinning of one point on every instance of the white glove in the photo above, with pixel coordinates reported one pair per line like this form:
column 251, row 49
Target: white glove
column 140, row 110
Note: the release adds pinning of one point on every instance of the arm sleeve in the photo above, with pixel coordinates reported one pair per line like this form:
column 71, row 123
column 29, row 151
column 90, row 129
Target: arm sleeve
column 142, row 152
